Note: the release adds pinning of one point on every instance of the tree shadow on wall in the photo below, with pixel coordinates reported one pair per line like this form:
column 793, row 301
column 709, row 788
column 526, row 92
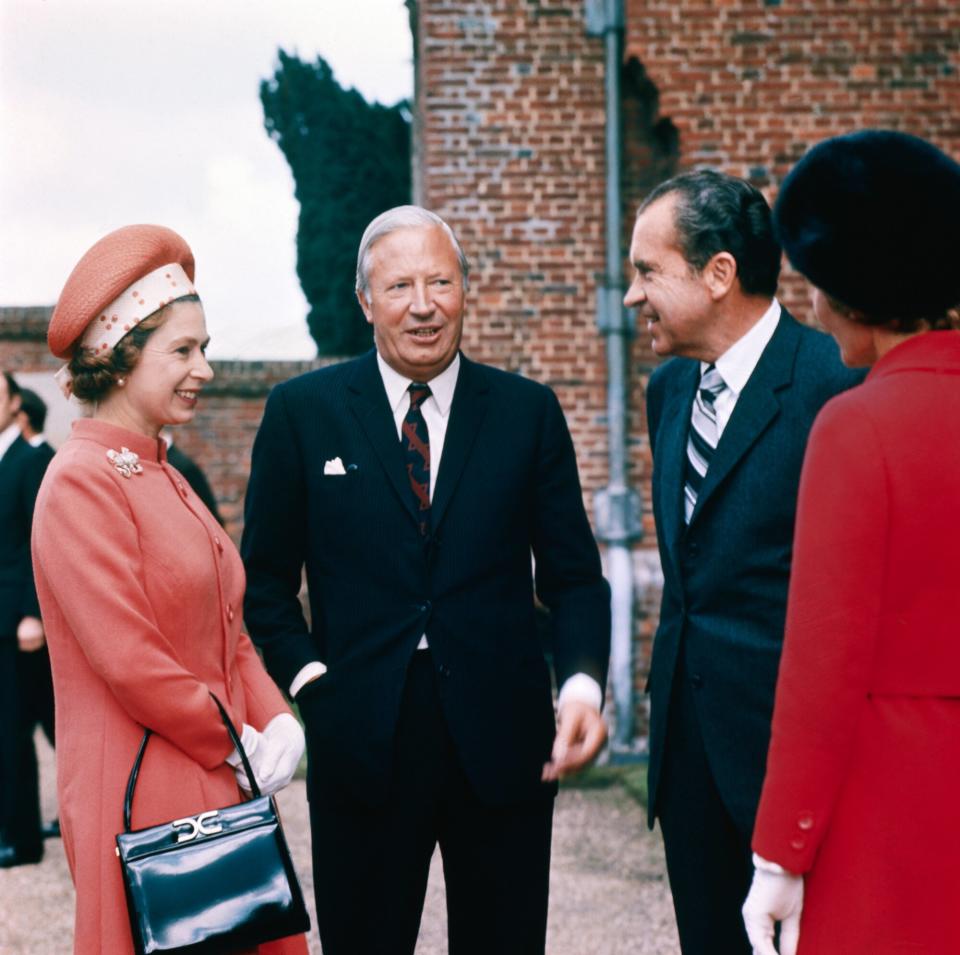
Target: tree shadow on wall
column 651, row 146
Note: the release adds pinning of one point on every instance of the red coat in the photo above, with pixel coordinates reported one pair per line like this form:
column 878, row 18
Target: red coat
column 863, row 780
column 141, row 592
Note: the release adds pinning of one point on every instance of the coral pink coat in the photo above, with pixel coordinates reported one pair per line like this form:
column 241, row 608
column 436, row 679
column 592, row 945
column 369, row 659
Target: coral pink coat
column 141, row 594
column 863, row 779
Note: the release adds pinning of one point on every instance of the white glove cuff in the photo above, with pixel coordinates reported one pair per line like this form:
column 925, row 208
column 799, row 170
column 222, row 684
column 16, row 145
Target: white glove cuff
column 765, row 865
column 249, row 738
column 283, row 724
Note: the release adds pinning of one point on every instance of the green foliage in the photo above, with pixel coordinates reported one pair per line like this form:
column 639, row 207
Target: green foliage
column 631, row 776
column 350, row 161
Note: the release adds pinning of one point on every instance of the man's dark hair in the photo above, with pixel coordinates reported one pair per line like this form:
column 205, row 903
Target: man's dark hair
column 13, row 389
column 715, row 213
column 34, row 407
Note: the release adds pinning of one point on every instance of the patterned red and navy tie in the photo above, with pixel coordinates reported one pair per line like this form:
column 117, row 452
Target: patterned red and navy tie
column 416, row 448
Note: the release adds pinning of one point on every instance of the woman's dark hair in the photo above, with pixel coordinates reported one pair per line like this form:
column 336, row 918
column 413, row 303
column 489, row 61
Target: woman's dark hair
column 945, row 321
column 715, row 213
column 94, row 376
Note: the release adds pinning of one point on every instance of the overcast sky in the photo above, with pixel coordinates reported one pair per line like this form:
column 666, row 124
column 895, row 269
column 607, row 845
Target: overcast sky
column 122, row 111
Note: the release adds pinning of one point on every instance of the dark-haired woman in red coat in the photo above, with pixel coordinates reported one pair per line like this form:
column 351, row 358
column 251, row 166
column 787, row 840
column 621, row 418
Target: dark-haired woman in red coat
column 857, row 838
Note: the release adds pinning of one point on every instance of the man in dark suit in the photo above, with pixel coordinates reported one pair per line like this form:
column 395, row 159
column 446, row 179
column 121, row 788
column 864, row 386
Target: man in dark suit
column 32, row 418
column 21, row 636
column 728, row 422
column 35, row 678
column 414, row 485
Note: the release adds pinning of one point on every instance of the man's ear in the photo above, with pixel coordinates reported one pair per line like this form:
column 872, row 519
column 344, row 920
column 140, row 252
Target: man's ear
column 719, row 274
column 365, row 305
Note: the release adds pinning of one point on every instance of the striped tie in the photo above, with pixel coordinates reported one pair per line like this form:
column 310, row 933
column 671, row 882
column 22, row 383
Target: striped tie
column 702, row 439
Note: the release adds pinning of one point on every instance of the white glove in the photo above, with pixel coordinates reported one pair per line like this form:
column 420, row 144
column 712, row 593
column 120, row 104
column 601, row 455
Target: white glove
column 775, row 896
column 274, row 754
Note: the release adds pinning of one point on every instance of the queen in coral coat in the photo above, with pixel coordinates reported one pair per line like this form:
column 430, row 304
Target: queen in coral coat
column 140, row 591
column 856, row 839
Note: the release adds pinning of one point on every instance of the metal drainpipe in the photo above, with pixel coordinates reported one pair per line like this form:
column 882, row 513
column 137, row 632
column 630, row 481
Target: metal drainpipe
column 617, row 506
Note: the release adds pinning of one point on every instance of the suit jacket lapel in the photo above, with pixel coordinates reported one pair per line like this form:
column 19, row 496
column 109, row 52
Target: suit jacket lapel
column 756, row 407
column 467, row 412
column 671, row 455
column 368, row 402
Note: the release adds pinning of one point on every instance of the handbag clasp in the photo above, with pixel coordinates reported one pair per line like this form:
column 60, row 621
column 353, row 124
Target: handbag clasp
column 197, row 826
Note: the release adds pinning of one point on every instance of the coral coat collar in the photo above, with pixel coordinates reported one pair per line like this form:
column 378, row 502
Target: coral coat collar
column 115, row 437
column 932, row 351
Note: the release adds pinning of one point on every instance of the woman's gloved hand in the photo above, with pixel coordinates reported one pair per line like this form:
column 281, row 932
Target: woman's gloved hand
column 274, row 754
column 775, row 896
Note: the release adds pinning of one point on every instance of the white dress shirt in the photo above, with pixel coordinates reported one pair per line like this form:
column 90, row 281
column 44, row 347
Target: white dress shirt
column 436, row 414
column 7, row 437
column 737, row 363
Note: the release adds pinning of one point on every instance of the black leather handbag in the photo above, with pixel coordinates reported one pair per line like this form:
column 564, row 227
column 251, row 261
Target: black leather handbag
column 216, row 882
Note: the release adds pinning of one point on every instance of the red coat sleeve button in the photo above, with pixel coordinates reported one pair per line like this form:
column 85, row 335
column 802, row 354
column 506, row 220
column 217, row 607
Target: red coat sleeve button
column 798, row 844
column 805, row 822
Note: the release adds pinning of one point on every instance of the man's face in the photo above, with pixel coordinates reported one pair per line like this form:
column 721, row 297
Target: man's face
column 8, row 406
column 668, row 295
column 416, row 301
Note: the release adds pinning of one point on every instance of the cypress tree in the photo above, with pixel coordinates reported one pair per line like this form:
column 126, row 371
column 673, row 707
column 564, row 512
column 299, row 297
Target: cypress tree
column 350, row 161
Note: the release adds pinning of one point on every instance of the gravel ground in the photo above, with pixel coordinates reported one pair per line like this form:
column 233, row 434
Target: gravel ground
column 608, row 891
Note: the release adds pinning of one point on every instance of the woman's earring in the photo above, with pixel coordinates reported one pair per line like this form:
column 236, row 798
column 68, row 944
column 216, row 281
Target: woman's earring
column 121, row 382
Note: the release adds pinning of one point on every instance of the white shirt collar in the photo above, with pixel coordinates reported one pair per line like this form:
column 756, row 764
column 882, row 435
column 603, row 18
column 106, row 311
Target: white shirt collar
column 441, row 387
column 737, row 363
column 8, row 436
column 37, row 440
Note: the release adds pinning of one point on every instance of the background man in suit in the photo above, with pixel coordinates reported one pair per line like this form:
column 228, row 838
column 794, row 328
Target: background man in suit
column 36, row 680
column 414, row 485
column 728, row 423
column 32, row 417
column 21, row 637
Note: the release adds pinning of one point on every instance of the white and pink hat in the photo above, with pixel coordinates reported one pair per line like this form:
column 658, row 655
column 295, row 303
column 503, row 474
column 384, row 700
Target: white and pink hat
column 125, row 277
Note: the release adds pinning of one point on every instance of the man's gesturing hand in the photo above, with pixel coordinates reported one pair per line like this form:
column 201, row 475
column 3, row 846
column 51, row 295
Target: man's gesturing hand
column 580, row 734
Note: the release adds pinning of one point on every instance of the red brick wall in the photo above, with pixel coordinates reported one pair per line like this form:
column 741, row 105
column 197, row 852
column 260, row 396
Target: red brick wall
column 511, row 109
column 750, row 85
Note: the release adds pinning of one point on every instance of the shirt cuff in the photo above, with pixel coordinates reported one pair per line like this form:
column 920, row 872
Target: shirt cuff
column 309, row 672
column 580, row 688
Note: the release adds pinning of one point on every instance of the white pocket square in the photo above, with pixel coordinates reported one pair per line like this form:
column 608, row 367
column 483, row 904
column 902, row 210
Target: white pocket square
column 334, row 466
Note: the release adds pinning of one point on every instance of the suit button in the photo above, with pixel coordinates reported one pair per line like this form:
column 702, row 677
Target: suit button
column 219, row 544
column 230, row 613
column 805, row 822
column 696, row 680
column 693, row 549
column 444, row 671
column 798, row 844
column 424, row 607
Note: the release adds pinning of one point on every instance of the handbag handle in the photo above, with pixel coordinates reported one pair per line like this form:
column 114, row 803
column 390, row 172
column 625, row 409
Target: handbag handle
column 135, row 772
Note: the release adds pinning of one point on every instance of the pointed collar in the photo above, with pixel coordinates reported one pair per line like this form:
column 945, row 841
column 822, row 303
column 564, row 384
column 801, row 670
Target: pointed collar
column 115, row 438
column 737, row 363
column 442, row 386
